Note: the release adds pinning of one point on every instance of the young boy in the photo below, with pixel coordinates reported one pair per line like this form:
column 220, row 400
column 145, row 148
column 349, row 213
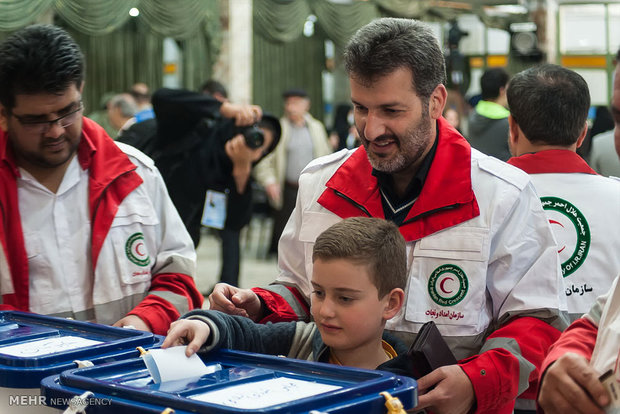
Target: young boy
column 358, row 283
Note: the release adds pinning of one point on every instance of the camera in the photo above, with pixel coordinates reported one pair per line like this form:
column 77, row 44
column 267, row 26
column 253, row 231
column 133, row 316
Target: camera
column 253, row 135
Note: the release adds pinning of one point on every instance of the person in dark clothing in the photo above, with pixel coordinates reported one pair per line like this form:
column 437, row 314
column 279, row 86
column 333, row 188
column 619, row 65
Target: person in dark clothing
column 488, row 122
column 195, row 143
column 359, row 276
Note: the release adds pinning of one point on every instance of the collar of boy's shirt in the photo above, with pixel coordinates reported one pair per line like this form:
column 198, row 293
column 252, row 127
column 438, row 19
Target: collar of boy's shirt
column 387, row 348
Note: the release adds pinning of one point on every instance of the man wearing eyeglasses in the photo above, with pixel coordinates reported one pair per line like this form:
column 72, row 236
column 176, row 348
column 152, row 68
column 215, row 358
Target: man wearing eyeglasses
column 87, row 229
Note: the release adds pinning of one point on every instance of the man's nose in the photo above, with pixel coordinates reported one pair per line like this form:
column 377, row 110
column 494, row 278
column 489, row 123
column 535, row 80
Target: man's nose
column 374, row 126
column 55, row 129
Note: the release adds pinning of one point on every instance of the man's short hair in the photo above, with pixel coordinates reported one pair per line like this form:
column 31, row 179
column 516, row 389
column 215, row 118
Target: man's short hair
column 372, row 242
column 385, row 45
column 38, row 59
column 125, row 103
column 492, row 81
column 295, row 92
column 212, row 87
column 549, row 103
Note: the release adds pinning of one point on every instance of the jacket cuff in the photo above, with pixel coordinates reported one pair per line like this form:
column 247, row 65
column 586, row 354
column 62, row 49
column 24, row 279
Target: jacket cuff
column 213, row 339
column 275, row 307
column 157, row 313
column 491, row 395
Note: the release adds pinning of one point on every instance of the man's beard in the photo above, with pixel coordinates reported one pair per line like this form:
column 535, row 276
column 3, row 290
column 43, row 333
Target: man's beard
column 410, row 147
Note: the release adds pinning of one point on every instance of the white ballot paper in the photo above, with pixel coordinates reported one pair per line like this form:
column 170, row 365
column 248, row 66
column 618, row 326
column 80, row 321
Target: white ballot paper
column 47, row 346
column 171, row 364
column 265, row 393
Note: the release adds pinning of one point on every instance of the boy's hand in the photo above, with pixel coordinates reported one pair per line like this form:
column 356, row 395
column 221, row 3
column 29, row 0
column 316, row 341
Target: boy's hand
column 234, row 301
column 570, row 384
column 453, row 392
column 190, row 332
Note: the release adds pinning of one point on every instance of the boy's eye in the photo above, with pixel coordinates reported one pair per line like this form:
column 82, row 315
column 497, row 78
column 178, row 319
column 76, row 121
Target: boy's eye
column 318, row 293
column 345, row 299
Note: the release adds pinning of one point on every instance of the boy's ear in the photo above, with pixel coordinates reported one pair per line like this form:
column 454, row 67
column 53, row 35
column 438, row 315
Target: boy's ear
column 395, row 300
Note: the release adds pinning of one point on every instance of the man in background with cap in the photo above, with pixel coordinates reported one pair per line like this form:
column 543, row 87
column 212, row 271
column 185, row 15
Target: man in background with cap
column 303, row 139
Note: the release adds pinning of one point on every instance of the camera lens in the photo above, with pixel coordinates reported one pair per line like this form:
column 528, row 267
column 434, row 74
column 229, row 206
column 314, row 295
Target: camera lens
column 254, row 137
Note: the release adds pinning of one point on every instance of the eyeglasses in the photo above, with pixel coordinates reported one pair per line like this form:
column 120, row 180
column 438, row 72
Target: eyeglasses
column 41, row 127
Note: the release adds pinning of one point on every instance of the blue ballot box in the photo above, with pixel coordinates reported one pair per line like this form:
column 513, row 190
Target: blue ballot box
column 33, row 347
column 242, row 382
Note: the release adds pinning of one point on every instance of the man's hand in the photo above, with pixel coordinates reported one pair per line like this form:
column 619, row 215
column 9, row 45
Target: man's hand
column 453, row 392
column 135, row 321
column 234, row 301
column 242, row 114
column 190, row 332
column 273, row 192
column 571, row 385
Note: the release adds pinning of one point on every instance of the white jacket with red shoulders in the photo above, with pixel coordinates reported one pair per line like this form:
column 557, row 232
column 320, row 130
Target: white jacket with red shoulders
column 481, row 255
column 584, row 211
column 128, row 204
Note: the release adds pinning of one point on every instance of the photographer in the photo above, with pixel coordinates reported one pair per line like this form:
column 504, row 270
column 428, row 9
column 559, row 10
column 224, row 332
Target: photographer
column 197, row 143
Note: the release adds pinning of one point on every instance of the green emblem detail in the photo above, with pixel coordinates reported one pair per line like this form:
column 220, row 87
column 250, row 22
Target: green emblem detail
column 448, row 285
column 582, row 230
column 136, row 250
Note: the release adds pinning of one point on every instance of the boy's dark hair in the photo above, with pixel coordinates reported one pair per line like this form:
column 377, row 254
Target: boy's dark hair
column 388, row 44
column 549, row 103
column 38, row 59
column 373, row 242
column 492, row 81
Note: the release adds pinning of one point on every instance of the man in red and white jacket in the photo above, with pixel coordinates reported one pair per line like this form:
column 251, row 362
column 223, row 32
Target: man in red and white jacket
column 568, row 381
column 549, row 107
column 482, row 258
column 87, row 229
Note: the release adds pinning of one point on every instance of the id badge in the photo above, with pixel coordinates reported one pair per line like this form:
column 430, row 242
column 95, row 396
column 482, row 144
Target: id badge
column 214, row 212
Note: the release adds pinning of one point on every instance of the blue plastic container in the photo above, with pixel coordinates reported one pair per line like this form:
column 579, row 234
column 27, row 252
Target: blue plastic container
column 246, row 383
column 33, row 347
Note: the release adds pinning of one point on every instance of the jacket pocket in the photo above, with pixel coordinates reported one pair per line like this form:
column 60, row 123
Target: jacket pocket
column 133, row 240
column 448, row 280
column 313, row 224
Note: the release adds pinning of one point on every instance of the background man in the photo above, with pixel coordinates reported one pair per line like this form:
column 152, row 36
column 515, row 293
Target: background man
column 87, row 229
column 303, row 139
column 142, row 96
column 463, row 215
column 488, row 122
column 548, row 112
column 121, row 112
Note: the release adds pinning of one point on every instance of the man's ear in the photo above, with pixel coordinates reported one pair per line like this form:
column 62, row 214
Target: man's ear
column 395, row 300
column 513, row 135
column 437, row 101
column 583, row 135
column 4, row 118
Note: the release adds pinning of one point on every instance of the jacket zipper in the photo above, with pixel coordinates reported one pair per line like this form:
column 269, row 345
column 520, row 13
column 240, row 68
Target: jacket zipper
column 412, row 219
column 356, row 204
column 428, row 213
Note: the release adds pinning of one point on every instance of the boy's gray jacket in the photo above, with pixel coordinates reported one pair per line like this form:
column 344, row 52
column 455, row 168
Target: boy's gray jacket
column 300, row 340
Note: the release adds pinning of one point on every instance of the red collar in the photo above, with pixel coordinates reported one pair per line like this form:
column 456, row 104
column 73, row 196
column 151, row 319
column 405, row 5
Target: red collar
column 552, row 161
column 447, row 197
